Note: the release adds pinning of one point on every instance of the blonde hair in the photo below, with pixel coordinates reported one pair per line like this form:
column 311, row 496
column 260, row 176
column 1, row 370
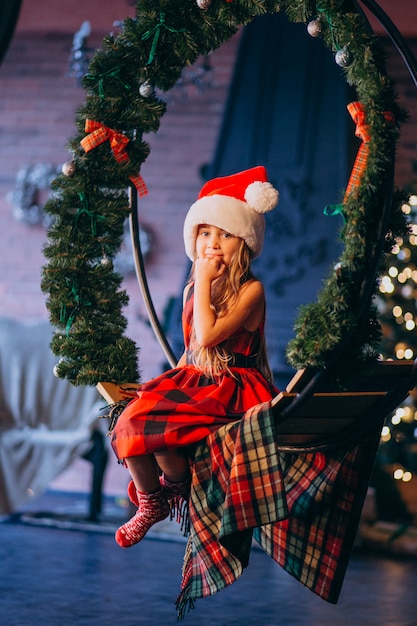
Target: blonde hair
column 217, row 359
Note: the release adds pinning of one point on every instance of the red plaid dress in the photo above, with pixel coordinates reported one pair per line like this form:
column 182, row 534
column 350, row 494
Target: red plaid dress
column 183, row 406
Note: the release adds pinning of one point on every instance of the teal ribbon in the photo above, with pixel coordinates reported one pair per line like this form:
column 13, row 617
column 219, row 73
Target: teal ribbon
column 332, row 26
column 99, row 80
column 331, row 210
column 84, row 209
column 156, row 32
column 79, row 302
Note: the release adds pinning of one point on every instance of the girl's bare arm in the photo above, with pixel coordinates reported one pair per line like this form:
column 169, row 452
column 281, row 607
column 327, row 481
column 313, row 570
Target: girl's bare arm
column 247, row 311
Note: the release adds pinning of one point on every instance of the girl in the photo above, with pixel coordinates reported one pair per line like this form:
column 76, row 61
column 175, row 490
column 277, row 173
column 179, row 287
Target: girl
column 224, row 370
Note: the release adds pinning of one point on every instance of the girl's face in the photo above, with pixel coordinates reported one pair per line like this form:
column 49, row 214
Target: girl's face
column 213, row 242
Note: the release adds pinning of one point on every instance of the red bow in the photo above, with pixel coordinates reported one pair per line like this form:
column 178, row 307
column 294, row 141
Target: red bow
column 98, row 134
column 358, row 115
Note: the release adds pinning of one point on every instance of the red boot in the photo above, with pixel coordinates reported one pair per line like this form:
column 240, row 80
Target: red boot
column 153, row 508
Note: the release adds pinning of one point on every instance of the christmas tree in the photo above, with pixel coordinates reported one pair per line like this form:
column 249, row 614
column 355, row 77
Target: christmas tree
column 397, row 456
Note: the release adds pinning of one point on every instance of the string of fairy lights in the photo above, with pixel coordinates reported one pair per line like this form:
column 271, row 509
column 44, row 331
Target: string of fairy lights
column 403, row 280
column 398, row 290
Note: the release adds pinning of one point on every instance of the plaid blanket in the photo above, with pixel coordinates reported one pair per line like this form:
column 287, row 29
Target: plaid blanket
column 302, row 508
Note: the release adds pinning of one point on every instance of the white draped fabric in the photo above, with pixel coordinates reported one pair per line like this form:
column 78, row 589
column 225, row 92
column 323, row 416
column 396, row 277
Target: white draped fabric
column 45, row 422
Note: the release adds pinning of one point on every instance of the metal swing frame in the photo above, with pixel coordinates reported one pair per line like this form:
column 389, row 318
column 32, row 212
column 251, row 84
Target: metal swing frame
column 303, row 417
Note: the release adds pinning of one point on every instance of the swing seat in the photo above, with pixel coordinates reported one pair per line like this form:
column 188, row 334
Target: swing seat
column 113, row 392
column 324, row 417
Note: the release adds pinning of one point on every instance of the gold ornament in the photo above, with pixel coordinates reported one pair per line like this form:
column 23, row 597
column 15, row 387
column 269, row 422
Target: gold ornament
column 314, row 27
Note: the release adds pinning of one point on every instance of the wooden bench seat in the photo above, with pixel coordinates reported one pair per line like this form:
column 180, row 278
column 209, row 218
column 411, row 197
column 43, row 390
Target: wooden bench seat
column 324, row 416
column 113, row 392
column 378, row 376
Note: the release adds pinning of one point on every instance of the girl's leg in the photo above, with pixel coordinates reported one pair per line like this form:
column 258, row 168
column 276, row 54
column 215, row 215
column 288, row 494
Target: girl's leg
column 152, row 493
column 174, row 465
column 175, row 475
column 144, row 472
column 151, row 499
column 176, row 481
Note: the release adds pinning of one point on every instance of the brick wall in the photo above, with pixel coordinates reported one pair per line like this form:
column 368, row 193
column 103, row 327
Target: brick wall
column 407, row 95
column 66, row 16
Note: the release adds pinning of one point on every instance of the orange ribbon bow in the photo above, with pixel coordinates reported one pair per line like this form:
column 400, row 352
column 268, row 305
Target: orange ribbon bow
column 99, row 133
column 357, row 113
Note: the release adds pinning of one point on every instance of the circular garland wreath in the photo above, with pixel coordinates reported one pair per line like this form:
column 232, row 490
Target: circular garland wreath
column 89, row 209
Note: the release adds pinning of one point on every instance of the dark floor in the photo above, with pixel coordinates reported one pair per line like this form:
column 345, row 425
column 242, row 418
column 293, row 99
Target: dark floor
column 77, row 575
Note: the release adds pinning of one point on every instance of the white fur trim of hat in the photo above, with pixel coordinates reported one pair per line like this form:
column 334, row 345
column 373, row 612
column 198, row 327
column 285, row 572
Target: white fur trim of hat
column 236, row 204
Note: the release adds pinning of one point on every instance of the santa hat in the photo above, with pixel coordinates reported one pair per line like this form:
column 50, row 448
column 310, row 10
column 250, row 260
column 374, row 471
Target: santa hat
column 236, row 204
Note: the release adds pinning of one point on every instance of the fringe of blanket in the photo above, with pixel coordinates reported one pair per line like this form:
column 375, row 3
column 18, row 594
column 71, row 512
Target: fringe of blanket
column 185, row 603
column 181, row 513
column 114, row 412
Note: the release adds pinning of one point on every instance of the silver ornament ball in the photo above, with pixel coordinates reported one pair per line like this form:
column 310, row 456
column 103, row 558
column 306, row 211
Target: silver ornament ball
column 203, row 4
column 343, row 57
column 146, row 89
column 105, row 260
column 338, row 271
column 314, row 28
column 68, row 169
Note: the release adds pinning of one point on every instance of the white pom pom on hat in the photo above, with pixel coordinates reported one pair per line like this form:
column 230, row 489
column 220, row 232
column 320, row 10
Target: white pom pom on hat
column 236, row 204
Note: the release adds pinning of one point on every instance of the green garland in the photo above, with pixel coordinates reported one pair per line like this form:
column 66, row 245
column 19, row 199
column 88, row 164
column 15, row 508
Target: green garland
column 91, row 204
